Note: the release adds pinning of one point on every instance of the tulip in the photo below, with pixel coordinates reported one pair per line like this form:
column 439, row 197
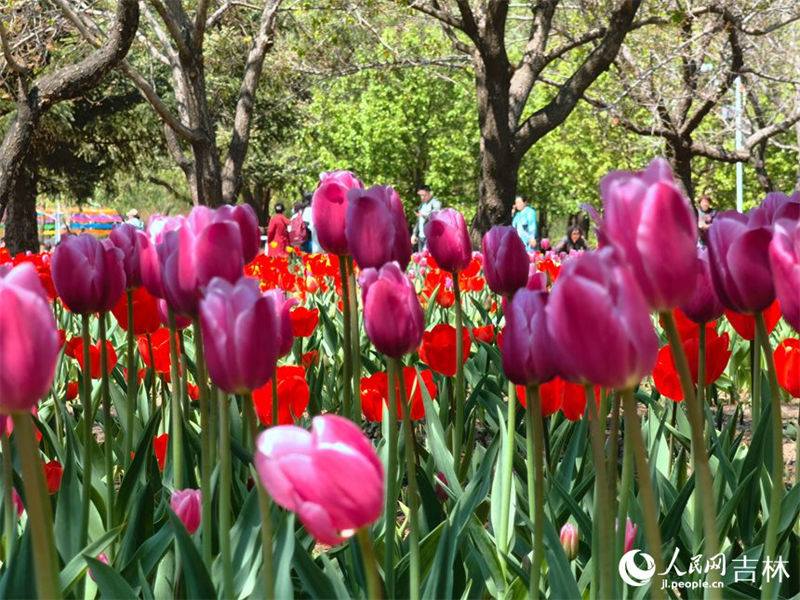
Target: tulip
column 186, row 504
column 787, row 366
column 630, row 534
column 285, row 333
column 375, row 393
column 448, row 240
column 505, row 261
column 247, row 221
column 736, row 252
column 774, row 207
column 160, row 445
column 569, row 541
column 655, row 229
column 484, row 334
column 717, row 353
column 784, row 257
column 181, row 321
column 376, row 227
column 235, row 321
column 438, row 349
column 393, row 316
column 129, row 239
column 597, row 299
column 304, row 321
column 53, row 472
column 745, row 325
column 88, row 275
column 704, row 305
column 527, row 349
column 312, row 474
column 29, row 342
column 329, row 210
column 18, row 503
column 293, row 396
column 102, row 557
column 145, row 312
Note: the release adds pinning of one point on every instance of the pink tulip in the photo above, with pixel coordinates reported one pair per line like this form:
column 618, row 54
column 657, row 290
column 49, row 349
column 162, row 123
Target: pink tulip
column 376, row 227
column 283, row 306
column 527, row 348
column 784, row 257
column 704, row 305
column 245, row 217
column 655, row 230
column 393, row 316
column 129, row 239
column 505, row 261
column 329, row 210
column 187, row 505
column 331, row 477
column 103, row 558
column 569, row 540
column 774, row 207
column 448, row 240
column 599, row 322
column 181, row 321
column 88, row 275
column 630, row 534
column 29, row 343
column 18, row 503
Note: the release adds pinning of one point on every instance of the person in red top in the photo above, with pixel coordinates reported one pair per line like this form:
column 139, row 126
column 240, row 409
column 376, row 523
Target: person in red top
column 278, row 233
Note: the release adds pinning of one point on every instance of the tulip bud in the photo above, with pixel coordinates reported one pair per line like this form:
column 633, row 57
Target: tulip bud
column 393, row 316
column 569, row 541
column 784, row 257
column 187, row 505
column 448, row 240
column 505, row 260
column 128, row 238
column 312, row 474
column 329, row 210
column 376, row 227
column 630, row 534
column 53, row 472
column 704, row 305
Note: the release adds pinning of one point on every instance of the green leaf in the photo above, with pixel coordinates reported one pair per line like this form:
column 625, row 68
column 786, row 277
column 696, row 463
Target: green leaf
column 137, row 470
column 314, row 582
column 559, row 574
column 68, row 506
column 284, row 550
column 196, row 578
column 18, row 578
column 438, row 443
column 75, row 567
column 109, row 582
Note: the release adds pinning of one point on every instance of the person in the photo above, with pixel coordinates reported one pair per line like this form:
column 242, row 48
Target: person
column 705, row 216
column 523, row 219
column 298, row 229
column 311, row 245
column 134, row 219
column 428, row 206
column 572, row 241
column 278, row 233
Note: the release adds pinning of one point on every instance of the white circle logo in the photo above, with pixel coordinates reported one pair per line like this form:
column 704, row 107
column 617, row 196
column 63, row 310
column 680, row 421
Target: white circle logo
column 633, row 575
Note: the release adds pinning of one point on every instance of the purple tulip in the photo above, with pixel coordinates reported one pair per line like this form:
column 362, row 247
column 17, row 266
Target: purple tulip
column 740, row 271
column 149, row 266
column 655, row 230
column 527, row 348
column 393, row 316
column 29, row 343
column 376, row 227
column 448, row 240
column 505, row 261
column 129, row 239
column 181, row 321
column 329, row 210
column 704, row 305
column 599, row 322
column 245, row 217
column 331, row 477
column 283, row 306
column 775, row 206
column 784, row 257
column 88, row 275
column 239, row 328
column 187, row 505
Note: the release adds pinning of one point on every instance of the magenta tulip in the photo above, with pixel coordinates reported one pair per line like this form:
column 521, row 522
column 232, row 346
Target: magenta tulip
column 505, row 261
column 774, row 207
column 181, row 321
column 704, row 305
column 655, row 230
column 527, row 348
column 245, row 217
column 448, row 240
column 599, row 322
column 376, row 227
column 29, row 343
column 240, row 327
column 393, row 316
column 187, row 505
column 740, row 271
column 129, row 239
column 283, row 306
column 329, row 210
column 331, row 477
column 784, row 257
column 88, row 275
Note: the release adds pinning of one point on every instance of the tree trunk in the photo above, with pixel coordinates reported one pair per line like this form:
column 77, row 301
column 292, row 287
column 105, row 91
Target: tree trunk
column 22, row 234
column 679, row 153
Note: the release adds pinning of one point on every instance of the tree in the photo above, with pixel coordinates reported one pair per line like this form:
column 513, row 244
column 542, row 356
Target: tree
column 508, row 126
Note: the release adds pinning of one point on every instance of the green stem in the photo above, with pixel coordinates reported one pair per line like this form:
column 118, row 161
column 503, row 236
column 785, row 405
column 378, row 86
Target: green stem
column 347, row 408
column 626, row 484
column 175, row 412
column 649, row 508
column 508, row 470
column 370, row 563
column 225, row 494
column 701, row 401
column 613, row 452
column 206, row 466
column 108, row 437
column 602, row 517
column 534, row 459
column 263, row 503
column 132, row 378
column 153, row 376
column 88, row 441
column 770, row 545
column 390, row 511
column 38, row 507
column 458, row 432
column 355, row 339
column 10, row 512
column 413, row 494
column 755, row 378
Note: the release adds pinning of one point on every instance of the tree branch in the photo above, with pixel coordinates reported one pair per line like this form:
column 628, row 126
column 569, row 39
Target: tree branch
column 443, row 15
column 12, row 62
column 174, row 29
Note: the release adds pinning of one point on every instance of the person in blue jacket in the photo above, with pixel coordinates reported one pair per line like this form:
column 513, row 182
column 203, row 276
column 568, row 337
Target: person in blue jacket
column 524, row 221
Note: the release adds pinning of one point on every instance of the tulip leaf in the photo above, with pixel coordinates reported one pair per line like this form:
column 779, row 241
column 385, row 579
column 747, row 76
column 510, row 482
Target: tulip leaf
column 136, row 471
column 138, row 524
column 672, row 520
column 724, row 517
column 68, row 505
column 149, row 554
column 283, row 553
column 577, row 513
column 751, row 501
column 496, row 506
column 196, row 578
column 109, row 582
column 312, row 578
column 73, row 569
column 559, row 574
column 19, row 575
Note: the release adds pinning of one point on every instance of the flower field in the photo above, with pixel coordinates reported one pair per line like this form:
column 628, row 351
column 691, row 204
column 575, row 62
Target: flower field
column 183, row 416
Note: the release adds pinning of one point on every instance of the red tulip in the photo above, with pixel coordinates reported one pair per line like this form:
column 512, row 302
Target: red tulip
column 484, row 334
column 787, row 365
column 557, row 393
column 310, row 359
column 375, row 393
column 438, row 349
column 293, row 396
column 304, row 321
column 53, row 471
column 665, row 376
column 160, row 340
column 745, row 325
column 74, row 349
column 72, row 391
column 160, row 445
column 145, row 312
